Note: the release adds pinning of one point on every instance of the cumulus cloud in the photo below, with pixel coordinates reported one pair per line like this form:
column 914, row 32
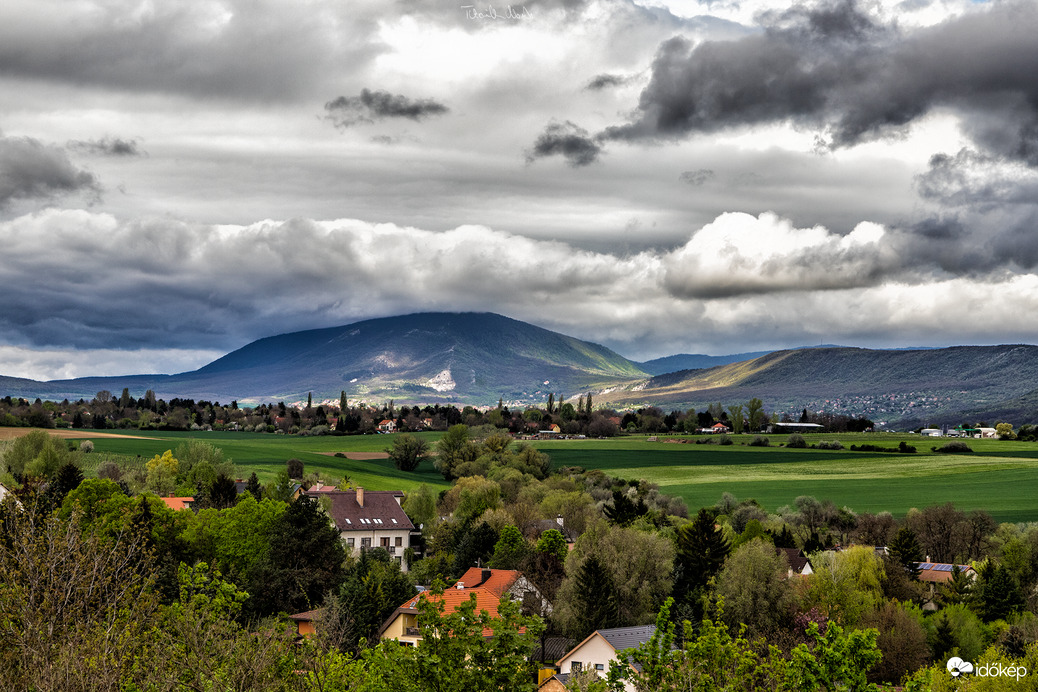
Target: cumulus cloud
column 108, row 146
column 758, row 281
column 346, row 111
column 739, row 254
column 568, row 140
column 30, row 169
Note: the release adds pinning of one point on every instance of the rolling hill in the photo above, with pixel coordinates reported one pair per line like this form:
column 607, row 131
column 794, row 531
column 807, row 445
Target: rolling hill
column 427, row 357
column 909, row 387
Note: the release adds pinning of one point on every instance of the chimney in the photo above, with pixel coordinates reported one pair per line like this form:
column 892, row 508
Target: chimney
column 360, row 496
column 486, row 575
column 559, row 520
column 460, row 585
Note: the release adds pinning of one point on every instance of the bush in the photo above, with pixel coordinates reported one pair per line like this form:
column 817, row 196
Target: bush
column 86, row 446
column 724, row 440
column 905, row 448
column 953, row 448
column 760, row 441
column 796, row 441
column 830, row 444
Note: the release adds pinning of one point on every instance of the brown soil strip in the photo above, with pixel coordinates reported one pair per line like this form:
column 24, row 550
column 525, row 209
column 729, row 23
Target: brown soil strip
column 12, row 433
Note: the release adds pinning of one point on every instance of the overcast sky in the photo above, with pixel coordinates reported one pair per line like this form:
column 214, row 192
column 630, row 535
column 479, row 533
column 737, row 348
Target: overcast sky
column 178, row 179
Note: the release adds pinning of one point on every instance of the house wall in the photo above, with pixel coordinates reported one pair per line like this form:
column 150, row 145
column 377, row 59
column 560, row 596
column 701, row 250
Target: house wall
column 594, row 652
column 398, row 629
column 376, row 535
column 305, row 627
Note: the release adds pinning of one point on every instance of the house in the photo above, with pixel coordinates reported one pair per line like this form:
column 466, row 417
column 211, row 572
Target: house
column 178, row 503
column 987, row 432
column 601, row 647
column 305, row 622
column 717, row 428
column 553, row 683
column 799, row 565
column 387, row 425
column 4, row 492
column 369, row 519
column 488, row 586
column 939, row 572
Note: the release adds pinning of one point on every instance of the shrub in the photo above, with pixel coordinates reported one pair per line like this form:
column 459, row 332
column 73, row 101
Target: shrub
column 830, row 444
column 796, row 440
column 86, row 446
column 905, row 448
column 724, row 440
column 760, row 441
column 953, row 448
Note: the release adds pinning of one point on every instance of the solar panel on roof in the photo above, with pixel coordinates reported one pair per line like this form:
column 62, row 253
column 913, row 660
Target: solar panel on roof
column 943, row 568
column 926, row 565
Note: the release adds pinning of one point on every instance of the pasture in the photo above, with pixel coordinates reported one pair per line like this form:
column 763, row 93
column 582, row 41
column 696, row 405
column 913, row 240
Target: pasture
column 1000, row 477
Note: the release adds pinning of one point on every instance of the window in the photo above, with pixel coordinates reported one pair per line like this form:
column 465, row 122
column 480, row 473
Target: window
column 384, row 541
column 365, row 543
column 599, row 666
column 349, row 542
column 576, row 666
column 399, row 541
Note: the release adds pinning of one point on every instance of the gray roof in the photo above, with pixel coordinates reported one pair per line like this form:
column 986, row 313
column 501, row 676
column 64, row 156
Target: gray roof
column 628, row 637
column 381, row 510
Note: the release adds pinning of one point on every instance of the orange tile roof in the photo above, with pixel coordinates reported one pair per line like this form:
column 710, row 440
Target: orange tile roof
column 499, row 582
column 178, row 503
column 488, row 594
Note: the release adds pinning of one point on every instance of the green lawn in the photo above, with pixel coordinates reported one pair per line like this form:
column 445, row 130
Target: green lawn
column 267, row 454
column 1001, row 477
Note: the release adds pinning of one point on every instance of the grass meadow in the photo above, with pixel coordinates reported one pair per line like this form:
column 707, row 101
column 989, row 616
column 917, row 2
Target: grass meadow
column 1001, row 477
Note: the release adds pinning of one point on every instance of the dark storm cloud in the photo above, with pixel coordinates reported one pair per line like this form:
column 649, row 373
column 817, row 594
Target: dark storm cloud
column 346, row 111
column 832, row 67
column 568, row 140
column 108, row 146
column 30, row 169
column 604, row 81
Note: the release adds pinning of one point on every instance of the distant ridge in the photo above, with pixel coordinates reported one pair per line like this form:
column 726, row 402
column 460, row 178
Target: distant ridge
column 427, row 357
column 694, row 361
column 479, row 358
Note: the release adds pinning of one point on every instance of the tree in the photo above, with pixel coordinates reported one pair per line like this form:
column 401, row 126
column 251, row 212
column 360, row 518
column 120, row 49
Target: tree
column 455, row 656
column 847, row 584
column 420, row 507
column 553, row 542
column 997, row 593
column 905, row 550
column 454, row 449
column 1005, row 431
column 253, row 486
column 302, row 563
column 595, row 603
column 408, row 452
column 754, row 588
column 735, row 417
column 700, row 552
column 162, row 472
column 76, row 604
column 295, row 468
column 755, row 414
column 511, row 548
column 373, row 588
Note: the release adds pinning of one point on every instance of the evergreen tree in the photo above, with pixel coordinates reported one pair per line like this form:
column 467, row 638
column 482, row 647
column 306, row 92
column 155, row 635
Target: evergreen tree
column 595, row 598
column 905, row 550
column 373, row 588
column 700, row 553
column 998, row 594
column 342, row 402
column 785, row 539
column 959, row 589
column 66, row 479
column 624, row 510
column 587, row 404
column 254, row 487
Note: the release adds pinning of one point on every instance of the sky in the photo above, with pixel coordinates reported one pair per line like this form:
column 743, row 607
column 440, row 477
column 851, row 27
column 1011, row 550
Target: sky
column 178, row 179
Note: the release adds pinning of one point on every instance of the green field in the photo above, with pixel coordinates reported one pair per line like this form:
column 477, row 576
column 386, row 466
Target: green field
column 1001, row 477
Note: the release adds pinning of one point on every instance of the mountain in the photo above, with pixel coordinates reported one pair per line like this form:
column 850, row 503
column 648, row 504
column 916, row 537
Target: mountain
column 693, row 361
column 427, row 357
column 902, row 386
